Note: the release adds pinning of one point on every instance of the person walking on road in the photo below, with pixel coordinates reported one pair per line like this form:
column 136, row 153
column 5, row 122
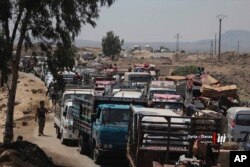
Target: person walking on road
column 41, row 116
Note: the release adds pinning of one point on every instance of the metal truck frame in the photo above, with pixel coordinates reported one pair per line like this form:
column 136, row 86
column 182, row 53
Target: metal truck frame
column 164, row 141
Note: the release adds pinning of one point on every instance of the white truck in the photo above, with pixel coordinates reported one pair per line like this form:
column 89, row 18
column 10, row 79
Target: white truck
column 161, row 87
column 238, row 125
column 63, row 121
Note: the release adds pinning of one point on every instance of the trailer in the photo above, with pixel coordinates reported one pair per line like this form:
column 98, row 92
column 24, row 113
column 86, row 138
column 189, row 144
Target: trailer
column 162, row 135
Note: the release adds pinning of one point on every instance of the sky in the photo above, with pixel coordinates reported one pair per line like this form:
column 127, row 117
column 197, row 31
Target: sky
column 161, row 20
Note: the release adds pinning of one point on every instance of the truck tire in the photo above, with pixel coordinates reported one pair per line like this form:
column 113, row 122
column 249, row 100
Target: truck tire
column 96, row 156
column 82, row 145
column 58, row 135
column 62, row 139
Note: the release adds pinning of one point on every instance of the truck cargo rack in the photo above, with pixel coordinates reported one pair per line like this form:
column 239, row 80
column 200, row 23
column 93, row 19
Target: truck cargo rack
column 170, row 136
column 78, row 86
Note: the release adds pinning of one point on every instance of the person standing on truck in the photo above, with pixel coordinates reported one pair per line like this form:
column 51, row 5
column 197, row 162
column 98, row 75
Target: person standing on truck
column 130, row 68
column 41, row 116
column 115, row 67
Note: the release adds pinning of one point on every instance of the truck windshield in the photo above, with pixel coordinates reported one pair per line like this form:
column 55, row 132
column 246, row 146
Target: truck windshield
column 243, row 119
column 140, row 78
column 115, row 116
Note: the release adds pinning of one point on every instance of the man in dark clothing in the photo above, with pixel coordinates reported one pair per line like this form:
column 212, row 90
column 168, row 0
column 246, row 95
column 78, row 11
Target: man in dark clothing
column 41, row 115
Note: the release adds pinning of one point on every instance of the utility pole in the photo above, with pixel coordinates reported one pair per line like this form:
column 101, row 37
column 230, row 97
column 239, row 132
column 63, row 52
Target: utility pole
column 211, row 49
column 215, row 41
column 220, row 17
column 238, row 47
column 177, row 42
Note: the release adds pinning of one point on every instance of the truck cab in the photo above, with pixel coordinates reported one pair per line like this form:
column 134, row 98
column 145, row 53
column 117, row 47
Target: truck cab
column 238, row 119
column 137, row 78
column 80, row 93
column 66, row 123
column 109, row 134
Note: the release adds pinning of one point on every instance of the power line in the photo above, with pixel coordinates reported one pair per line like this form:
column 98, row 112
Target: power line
column 211, row 48
column 215, row 41
column 220, row 17
column 177, row 42
column 238, row 47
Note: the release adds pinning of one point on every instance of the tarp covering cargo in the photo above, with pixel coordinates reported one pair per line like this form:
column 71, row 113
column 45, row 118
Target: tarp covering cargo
column 163, row 84
column 207, row 79
column 211, row 91
column 175, row 78
column 104, row 82
column 167, row 97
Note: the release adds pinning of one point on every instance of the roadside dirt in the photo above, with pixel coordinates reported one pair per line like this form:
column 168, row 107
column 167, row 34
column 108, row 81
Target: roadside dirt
column 30, row 91
column 63, row 155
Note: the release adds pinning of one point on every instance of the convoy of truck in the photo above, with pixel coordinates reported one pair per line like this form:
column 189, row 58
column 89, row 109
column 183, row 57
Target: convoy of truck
column 143, row 121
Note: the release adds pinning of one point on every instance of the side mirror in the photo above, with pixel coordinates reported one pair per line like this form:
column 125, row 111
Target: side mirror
column 93, row 117
column 64, row 114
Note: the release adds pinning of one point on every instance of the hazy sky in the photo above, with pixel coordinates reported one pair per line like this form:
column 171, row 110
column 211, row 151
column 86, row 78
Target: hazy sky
column 160, row 20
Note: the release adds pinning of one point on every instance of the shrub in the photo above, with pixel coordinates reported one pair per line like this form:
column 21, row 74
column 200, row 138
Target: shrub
column 185, row 70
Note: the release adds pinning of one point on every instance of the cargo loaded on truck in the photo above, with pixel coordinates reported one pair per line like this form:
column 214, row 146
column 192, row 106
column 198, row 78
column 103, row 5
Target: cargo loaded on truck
column 101, row 125
column 164, row 136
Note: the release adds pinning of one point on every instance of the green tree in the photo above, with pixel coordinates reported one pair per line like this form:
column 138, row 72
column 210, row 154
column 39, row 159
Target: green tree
column 111, row 44
column 47, row 21
column 57, row 60
column 185, row 70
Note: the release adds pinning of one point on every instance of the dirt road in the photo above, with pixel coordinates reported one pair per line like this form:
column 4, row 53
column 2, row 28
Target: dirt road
column 67, row 156
column 61, row 154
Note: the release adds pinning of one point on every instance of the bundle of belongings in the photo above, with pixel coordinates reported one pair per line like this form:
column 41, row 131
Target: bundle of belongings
column 217, row 91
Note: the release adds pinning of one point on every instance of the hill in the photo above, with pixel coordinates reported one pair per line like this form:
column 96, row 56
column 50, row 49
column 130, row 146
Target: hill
column 229, row 43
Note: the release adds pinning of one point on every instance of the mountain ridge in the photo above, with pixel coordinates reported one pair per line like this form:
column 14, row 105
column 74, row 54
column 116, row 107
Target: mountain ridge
column 229, row 42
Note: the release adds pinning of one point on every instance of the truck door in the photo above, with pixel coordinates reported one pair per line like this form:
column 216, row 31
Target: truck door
column 96, row 125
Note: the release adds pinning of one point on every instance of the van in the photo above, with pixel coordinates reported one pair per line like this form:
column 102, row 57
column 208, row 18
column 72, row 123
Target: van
column 238, row 119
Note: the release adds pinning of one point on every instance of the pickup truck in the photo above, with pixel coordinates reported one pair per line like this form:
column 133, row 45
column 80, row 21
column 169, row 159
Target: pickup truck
column 162, row 135
column 101, row 126
column 63, row 117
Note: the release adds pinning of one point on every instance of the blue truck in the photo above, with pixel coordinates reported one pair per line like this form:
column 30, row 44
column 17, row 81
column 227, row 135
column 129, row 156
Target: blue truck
column 101, row 125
